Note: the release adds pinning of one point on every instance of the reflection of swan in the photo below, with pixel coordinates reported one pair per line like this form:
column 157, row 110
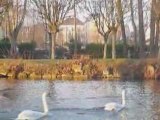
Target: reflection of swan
column 3, row 98
column 115, row 106
column 34, row 115
column 5, row 103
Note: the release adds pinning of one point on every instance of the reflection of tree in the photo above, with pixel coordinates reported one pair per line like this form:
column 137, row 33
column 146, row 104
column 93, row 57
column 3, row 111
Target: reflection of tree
column 51, row 89
column 154, row 103
column 8, row 94
column 9, row 87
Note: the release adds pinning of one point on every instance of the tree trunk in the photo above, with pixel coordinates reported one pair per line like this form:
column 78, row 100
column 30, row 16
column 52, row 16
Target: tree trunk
column 14, row 33
column 113, row 45
column 157, row 37
column 121, row 17
column 105, row 50
column 141, row 30
column 105, row 37
column 53, row 45
column 75, row 29
column 14, row 48
column 152, row 30
column 134, row 28
column 50, row 45
column 124, row 38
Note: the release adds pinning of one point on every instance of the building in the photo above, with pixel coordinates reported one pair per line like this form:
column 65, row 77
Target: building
column 67, row 31
column 91, row 33
column 38, row 33
column 35, row 33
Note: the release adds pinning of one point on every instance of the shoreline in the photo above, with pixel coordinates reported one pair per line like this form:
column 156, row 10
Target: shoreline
column 80, row 69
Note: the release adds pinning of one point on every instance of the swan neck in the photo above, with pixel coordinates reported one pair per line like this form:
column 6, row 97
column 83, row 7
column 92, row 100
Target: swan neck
column 45, row 105
column 123, row 98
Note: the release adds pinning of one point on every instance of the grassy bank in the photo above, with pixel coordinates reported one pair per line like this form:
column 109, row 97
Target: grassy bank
column 81, row 69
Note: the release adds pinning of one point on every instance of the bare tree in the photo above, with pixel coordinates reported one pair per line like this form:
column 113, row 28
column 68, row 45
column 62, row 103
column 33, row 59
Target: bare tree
column 4, row 7
column 141, row 30
column 113, row 26
column 157, row 17
column 134, row 26
column 53, row 13
column 15, row 19
column 120, row 12
column 104, row 15
column 152, row 29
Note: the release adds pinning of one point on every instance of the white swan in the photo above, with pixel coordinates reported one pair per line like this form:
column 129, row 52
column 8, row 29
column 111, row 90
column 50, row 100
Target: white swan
column 34, row 115
column 115, row 106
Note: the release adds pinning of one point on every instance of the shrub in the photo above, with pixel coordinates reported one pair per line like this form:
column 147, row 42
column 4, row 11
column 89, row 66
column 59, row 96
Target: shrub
column 4, row 48
column 71, row 46
column 119, row 50
column 60, row 52
column 95, row 50
column 26, row 50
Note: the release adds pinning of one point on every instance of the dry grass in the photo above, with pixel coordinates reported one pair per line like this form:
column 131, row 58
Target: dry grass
column 65, row 69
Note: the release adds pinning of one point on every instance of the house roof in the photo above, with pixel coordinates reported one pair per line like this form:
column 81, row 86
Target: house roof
column 70, row 21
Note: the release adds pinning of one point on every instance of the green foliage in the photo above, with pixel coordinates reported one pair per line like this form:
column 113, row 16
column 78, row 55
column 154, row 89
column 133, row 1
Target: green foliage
column 60, row 51
column 119, row 50
column 71, row 46
column 95, row 50
column 4, row 48
column 26, row 49
column 133, row 51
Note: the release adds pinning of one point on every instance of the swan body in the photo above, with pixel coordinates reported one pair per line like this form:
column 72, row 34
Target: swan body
column 34, row 115
column 113, row 106
column 30, row 115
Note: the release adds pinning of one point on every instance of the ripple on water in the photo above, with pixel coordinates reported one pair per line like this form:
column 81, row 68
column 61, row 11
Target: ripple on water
column 82, row 100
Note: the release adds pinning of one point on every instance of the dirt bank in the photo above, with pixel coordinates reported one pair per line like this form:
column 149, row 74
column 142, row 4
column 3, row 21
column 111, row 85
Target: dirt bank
column 80, row 69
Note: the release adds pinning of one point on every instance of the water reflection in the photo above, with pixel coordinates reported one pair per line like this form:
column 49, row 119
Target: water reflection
column 75, row 100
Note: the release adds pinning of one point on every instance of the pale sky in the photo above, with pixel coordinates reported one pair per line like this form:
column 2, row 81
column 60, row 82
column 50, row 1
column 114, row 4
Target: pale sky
column 82, row 15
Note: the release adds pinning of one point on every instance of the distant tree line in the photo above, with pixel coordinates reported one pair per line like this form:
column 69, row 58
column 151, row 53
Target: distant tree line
column 108, row 16
column 27, row 50
column 111, row 14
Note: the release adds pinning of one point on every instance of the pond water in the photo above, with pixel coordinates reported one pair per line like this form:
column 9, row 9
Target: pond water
column 81, row 100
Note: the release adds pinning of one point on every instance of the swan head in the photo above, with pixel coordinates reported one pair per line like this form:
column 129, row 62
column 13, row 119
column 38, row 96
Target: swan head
column 45, row 94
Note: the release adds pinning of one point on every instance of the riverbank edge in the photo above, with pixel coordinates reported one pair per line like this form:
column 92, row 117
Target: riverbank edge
column 80, row 69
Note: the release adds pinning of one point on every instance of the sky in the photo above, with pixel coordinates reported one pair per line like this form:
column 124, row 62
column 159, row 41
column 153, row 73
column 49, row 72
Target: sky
column 82, row 15
column 29, row 18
